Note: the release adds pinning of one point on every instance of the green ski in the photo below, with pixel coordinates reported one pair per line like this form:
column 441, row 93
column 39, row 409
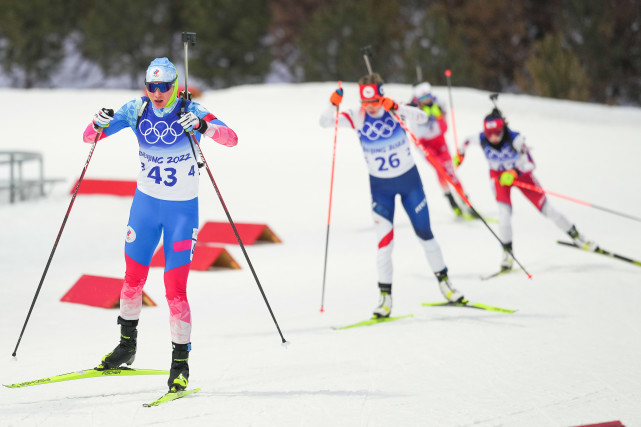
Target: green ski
column 501, row 272
column 172, row 395
column 602, row 252
column 373, row 321
column 470, row 217
column 88, row 373
column 469, row 304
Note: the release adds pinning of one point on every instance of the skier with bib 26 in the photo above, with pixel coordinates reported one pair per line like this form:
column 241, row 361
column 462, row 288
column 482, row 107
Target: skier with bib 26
column 165, row 203
column 510, row 162
column 392, row 171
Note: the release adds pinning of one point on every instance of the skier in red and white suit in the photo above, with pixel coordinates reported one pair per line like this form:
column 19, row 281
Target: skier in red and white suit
column 431, row 137
column 510, row 162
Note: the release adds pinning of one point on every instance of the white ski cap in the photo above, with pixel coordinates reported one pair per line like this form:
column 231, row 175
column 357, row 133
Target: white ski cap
column 161, row 70
column 421, row 89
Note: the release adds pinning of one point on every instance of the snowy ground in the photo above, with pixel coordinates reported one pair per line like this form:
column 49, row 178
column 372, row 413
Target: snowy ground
column 569, row 356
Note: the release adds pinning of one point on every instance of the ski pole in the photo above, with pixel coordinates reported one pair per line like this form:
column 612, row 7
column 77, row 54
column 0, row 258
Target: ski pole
column 329, row 213
column 187, row 38
column 572, row 199
column 419, row 74
column 494, row 97
column 192, row 37
column 367, row 52
column 242, row 247
column 448, row 74
column 55, row 245
column 458, row 188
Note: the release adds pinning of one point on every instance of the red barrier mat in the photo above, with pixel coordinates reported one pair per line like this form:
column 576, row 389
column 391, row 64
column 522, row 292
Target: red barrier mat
column 105, row 186
column 205, row 257
column 221, row 232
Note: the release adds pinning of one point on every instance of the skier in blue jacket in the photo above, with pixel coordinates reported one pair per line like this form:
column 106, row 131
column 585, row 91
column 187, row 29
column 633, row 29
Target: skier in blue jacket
column 165, row 203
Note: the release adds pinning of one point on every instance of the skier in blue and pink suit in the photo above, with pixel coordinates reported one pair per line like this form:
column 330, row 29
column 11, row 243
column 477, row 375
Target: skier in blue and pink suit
column 165, row 203
column 392, row 171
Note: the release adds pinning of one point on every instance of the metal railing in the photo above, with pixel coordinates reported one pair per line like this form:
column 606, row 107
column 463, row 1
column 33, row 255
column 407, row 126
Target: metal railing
column 19, row 186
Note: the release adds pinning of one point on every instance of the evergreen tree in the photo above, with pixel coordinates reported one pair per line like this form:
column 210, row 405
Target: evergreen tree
column 288, row 17
column 123, row 36
column 232, row 41
column 330, row 43
column 32, row 43
column 606, row 37
column 492, row 35
column 434, row 46
column 556, row 72
column 496, row 45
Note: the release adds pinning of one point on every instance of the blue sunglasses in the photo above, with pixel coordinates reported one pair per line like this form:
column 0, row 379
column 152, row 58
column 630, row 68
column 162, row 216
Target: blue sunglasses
column 164, row 87
column 426, row 98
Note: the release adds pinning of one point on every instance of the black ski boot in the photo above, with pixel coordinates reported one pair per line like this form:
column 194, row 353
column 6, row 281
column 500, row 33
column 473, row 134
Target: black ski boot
column 126, row 350
column 581, row 241
column 455, row 207
column 179, row 373
column 508, row 259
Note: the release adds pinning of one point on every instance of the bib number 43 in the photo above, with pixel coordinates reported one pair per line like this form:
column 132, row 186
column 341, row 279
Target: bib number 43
column 169, row 174
column 170, row 180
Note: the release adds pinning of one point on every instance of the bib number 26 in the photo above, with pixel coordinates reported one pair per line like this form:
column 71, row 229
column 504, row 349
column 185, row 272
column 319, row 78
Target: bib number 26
column 393, row 161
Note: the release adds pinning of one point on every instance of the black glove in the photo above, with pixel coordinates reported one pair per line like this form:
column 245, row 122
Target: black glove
column 102, row 118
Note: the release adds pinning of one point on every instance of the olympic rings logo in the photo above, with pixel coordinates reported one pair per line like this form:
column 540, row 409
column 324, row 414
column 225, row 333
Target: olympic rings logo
column 506, row 156
column 378, row 129
column 160, row 131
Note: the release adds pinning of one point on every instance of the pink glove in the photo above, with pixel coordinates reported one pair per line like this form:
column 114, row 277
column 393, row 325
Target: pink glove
column 222, row 135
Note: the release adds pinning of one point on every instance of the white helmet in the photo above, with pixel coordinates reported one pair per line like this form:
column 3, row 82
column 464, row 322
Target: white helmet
column 422, row 89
